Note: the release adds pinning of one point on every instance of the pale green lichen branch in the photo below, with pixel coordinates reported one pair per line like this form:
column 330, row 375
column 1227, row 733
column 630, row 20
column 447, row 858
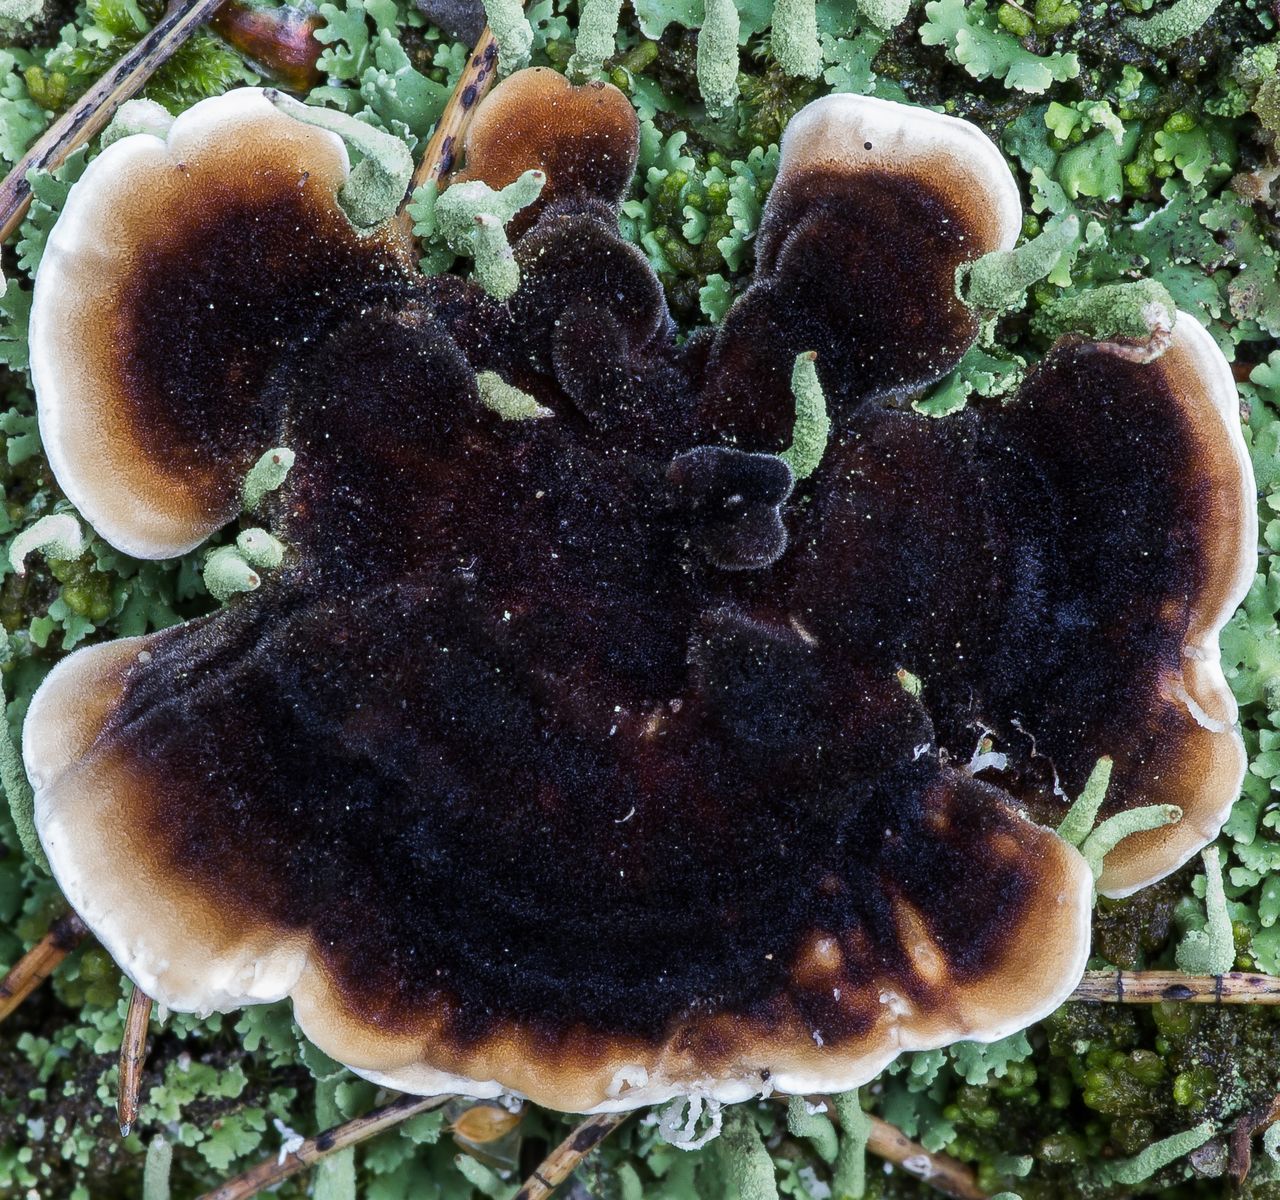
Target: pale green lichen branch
column 1115, row 829
column 228, row 573
column 1080, row 818
column 155, row 1174
column 885, row 14
column 1142, row 312
column 512, row 31
column 998, row 281
column 812, row 425
column 1133, row 1171
column 259, row 549
column 470, row 218
column 265, row 476
column 804, row 1121
column 56, row 536
column 496, row 269
column 377, row 184
column 597, row 37
column 137, row 116
column 1271, row 1142
column 507, row 400
column 1211, row 950
column 745, row 1157
column 1162, row 29
column 457, row 205
column 17, row 14
column 17, row 787
column 849, row 1175
column 794, row 38
column 718, row 55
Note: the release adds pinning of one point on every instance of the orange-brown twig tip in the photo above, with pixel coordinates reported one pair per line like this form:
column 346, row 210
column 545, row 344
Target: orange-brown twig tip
column 34, row 967
column 133, row 1056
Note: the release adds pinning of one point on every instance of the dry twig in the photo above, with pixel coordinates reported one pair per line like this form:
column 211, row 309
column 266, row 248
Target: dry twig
column 441, row 154
column 561, row 1162
column 1157, row 987
column 274, row 1170
column 133, row 1054
column 89, row 115
column 34, row 967
column 940, row 1171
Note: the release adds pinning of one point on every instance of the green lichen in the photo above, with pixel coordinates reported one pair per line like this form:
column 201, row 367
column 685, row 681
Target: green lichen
column 259, row 549
column 1211, row 950
column 376, row 187
column 1135, row 311
column 137, row 116
column 1171, row 24
column 718, row 55
column 155, row 1175
column 999, row 280
column 14, row 14
column 1159, row 1154
column 795, row 38
column 597, row 37
column 507, row 400
column 227, row 573
column 885, row 14
column 470, row 219
column 512, row 31
column 1076, row 826
column 58, row 535
column 266, row 476
column 849, row 1173
column 812, row 427
column 17, row 789
column 803, row 1121
column 1111, row 832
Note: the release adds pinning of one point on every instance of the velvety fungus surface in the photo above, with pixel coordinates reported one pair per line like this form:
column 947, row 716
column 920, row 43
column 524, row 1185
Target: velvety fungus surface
column 574, row 755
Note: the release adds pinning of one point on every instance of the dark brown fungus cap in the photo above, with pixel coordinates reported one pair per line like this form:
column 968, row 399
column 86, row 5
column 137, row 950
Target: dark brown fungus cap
column 925, row 193
column 569, row 756
column 151, row 337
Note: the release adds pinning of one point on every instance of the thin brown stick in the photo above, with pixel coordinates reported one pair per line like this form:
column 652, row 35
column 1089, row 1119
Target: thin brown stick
column 274, row 1170
column 1157, row 987
column 940, row 1171
column 34, row 967
column 133, row 1054
column 90, row 114
column 441, row 154
column 563, row 1160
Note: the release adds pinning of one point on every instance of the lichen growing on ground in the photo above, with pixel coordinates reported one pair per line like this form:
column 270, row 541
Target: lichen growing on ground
column 1149, row 129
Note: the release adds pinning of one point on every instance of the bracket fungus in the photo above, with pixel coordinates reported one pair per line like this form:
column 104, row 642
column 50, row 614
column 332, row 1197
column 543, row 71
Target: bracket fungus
column 569, row 756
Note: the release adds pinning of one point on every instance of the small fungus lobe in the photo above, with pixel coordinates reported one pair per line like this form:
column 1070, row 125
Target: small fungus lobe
column 555, row 734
